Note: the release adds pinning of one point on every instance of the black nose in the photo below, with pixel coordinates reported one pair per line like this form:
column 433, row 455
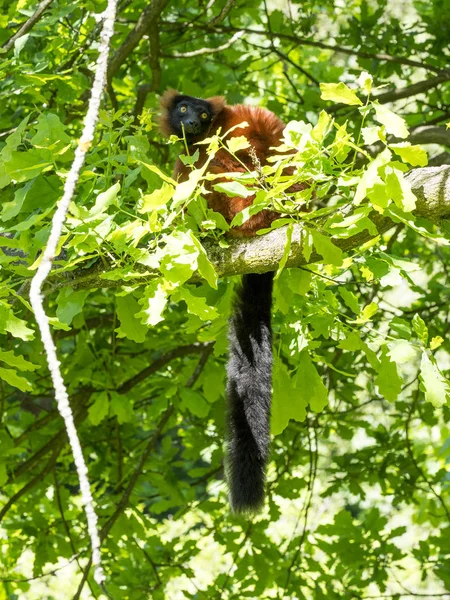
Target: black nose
column 192, row 126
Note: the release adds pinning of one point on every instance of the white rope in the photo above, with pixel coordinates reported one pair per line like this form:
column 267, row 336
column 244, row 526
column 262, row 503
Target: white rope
column 45, row 268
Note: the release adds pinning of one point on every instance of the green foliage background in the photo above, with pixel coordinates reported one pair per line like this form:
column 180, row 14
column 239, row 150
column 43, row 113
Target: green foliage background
column 358, row 502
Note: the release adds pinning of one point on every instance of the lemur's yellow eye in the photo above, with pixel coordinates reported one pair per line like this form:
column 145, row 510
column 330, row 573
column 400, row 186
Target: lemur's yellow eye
column 183, row 109
column 204, row 115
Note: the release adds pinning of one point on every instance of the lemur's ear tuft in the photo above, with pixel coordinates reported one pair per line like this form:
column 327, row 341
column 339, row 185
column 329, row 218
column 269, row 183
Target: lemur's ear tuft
column 217, row 103
column 166, row 101
column 168, row 97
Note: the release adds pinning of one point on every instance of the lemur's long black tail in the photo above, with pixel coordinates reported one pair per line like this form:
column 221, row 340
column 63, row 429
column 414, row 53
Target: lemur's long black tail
column 249, row 391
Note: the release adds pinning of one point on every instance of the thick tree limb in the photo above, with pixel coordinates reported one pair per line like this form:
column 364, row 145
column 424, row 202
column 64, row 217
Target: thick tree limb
column 431, row 185
column 429, row 134
column 145, row 21
column 425, row 134
column 414, row 89
column 405, row 92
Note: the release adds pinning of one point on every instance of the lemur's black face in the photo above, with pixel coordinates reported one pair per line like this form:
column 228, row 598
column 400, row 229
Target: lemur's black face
column 191, row 114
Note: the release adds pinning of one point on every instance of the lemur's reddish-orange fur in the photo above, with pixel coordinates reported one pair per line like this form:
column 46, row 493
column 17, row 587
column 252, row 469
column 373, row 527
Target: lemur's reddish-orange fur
column 264, row 130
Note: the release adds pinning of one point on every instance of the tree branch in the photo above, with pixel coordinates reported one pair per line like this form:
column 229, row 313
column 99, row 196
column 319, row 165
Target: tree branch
column 414, row 89
column 425, row 134
column 223, row 13
column 335, row 48
column 149, row 16
column 201, row 51
column 259, row 254
column 28, row 24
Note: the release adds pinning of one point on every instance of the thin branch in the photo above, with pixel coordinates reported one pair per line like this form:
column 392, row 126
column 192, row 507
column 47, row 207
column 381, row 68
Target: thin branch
column 286, row 58
column 28, row 24
column 223, row 13
column 30, row 484
column 201, row 51
column 155, row 67
column 335, row 48
column 160, row 362
column 200, row 365
column 44, row 269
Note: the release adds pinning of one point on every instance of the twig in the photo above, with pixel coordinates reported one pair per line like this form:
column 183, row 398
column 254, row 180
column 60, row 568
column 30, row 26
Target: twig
column 351, row 51
column 223, row 13
column 201, row 51
column 44, row 269
column 28, row 24
column 127, row 493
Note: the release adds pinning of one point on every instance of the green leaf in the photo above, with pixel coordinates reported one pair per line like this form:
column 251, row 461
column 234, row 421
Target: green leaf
column 214, row 383
column 399, row 190
column 196, row 305
column 309, row 384
column 388, row 380
column 371, row 181
column 3, row 474
column 153, row 303
column 320, row 130
column 233, row 188
column 180, row 257
column 155, row 169
column 16, row 327
column 11, row 377
column 401, row 352
column 70, row 303
column 157, row 199
column 414, row 155
column 19, row 44
column 50, row 132
column 367, row 313
column 325, row 247
column 420, row 328
column 287, row 249
column 349, row 299
column 287, row 403
column 104, row 200
column 352, row 342
column 307, row 244
column 13, row 208
column 17, row 361
column 235, row 144
column 120, row 406
column 23, row 166
column 194, row 402
column 394, row 124
column 130, row 326
column 436, row 342
column 205, row 266
column 435, row 386
column 100, row 407
column 339, row 92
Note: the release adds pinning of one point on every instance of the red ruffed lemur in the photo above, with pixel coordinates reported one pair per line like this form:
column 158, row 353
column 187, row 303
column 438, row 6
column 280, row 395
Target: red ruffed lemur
column 249, row 370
